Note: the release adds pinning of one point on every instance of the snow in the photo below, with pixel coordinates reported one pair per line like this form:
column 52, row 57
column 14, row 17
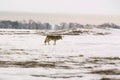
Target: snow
column 73, row 51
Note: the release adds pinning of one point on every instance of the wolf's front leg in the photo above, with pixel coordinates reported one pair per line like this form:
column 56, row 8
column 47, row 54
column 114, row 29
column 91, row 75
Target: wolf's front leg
column 54, row 42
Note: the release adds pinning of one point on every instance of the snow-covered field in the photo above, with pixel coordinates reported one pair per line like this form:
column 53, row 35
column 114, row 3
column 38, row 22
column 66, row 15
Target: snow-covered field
column 24, row 56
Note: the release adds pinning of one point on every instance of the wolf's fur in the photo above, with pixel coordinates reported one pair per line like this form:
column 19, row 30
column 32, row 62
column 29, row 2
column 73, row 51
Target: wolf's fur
column 52, row 37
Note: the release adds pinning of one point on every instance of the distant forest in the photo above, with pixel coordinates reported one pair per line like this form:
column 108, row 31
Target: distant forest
column 8, row 24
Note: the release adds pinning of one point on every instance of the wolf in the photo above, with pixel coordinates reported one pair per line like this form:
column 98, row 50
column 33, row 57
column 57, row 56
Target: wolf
column 52, row 38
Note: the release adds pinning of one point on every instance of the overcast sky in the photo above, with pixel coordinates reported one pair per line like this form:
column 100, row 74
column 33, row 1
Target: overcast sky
column 62, row 6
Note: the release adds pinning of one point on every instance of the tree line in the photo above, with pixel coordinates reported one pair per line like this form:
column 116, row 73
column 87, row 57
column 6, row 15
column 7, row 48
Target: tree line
column 8, row 24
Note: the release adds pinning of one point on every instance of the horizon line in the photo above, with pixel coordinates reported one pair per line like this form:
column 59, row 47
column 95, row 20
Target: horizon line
column 52, row 13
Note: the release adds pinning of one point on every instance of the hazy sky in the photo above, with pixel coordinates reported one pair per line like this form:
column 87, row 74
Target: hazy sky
column 57, row 11
column 109, row 7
